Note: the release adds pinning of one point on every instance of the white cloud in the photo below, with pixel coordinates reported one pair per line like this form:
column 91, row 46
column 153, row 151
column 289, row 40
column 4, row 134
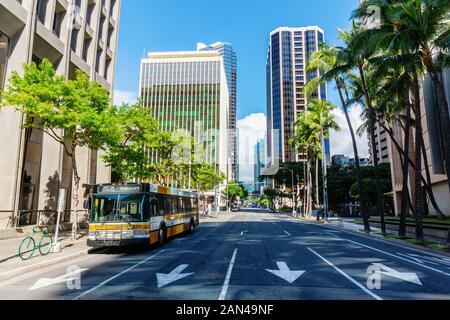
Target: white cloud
column 341, row 142
column 251, row 129
column 121, row 96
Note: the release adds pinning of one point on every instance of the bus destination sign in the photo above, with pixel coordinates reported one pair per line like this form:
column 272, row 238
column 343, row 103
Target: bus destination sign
column 119, row 189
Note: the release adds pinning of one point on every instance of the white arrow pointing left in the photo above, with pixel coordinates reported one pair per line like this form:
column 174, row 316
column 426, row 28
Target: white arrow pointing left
column 163, row 279
column 406, row 276
column 46, row 282
column 285, row 273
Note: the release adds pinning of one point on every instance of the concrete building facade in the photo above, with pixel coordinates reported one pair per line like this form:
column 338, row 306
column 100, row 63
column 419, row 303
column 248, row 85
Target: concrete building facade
column 381, row 145
column 434, row 149
column 72, row 34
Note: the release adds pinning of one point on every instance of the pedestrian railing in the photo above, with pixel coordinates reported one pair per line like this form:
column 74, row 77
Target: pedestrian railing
column 28, row 218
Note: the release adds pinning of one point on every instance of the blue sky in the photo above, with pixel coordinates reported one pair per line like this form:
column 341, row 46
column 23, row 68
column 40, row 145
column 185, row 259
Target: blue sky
column 172, row 25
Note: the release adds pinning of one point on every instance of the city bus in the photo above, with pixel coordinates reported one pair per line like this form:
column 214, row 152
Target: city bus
column 142, row 214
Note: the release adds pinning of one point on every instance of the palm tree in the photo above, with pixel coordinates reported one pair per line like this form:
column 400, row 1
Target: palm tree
column 311, row 128
column 329, row 61
column 419, row 28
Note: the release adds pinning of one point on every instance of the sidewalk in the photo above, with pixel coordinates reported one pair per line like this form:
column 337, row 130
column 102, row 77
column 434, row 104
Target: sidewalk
column 347, row 225
column 11, row 265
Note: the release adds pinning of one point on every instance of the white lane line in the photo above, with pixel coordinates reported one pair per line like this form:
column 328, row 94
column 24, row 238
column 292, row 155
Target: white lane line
column 347, row 276
column 288, row 233
column 396, row 256
column 226, row 283
column 116, row 276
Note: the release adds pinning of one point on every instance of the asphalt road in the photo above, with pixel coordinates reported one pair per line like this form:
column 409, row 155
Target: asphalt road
column 246, row 256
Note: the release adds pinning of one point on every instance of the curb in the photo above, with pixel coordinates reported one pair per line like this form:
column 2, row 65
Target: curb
column 400, row 243
column 8, row 275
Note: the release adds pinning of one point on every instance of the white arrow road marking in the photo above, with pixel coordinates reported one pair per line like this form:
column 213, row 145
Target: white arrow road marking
column 347, row 276
column 287, row 233
column 285, row 273
column 163, row 279
column 405, row 276
column 46, row 282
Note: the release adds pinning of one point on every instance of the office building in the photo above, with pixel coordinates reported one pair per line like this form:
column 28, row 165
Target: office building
column 188, row 92
column 230, row 62
column 289, row 51
column 260, row 162
column 381, row 145
column 74, row 34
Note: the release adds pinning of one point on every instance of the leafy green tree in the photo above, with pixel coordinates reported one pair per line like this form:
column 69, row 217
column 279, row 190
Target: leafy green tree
column 205, row 178
column 235, row 190
column 75, row 113
column 272, row 195
column 135, row 131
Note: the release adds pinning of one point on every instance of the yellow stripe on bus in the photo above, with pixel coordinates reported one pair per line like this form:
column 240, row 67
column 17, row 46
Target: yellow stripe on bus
column 108, row 227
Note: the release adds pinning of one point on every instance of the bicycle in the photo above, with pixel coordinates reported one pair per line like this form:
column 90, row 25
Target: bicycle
column 28, row 245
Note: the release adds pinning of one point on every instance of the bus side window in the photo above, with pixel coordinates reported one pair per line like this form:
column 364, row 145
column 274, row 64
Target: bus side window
column 175, row 208
column 181, row 207
column 153, row 202
column 160, row 205
column 146, row 208
column 167, row 205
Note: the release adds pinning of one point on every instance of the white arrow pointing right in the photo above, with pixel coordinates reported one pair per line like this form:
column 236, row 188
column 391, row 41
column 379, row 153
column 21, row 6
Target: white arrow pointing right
column 285, row 273
column 406, row 276
column 163, row 279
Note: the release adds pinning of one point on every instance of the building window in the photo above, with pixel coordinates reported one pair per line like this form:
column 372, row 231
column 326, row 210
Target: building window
column 57, row 22
column 42, row 10
column 4, row 49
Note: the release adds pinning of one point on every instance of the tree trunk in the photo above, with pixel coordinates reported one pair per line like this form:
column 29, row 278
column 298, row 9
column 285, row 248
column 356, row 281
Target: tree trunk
column 445, row 118
column 75, row 196
column 305, row 183
column 362, row 204
column 418, row 159
column 405, row 167
column 380, row 200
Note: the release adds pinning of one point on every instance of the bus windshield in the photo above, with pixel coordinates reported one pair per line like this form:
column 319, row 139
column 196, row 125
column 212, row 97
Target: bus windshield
column 117, row 208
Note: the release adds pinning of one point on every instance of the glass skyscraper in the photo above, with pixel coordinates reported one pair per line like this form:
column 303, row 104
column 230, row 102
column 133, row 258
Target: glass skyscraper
column 188, row 92
column 230, row 63
column 260, row 163
column 289, row 51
